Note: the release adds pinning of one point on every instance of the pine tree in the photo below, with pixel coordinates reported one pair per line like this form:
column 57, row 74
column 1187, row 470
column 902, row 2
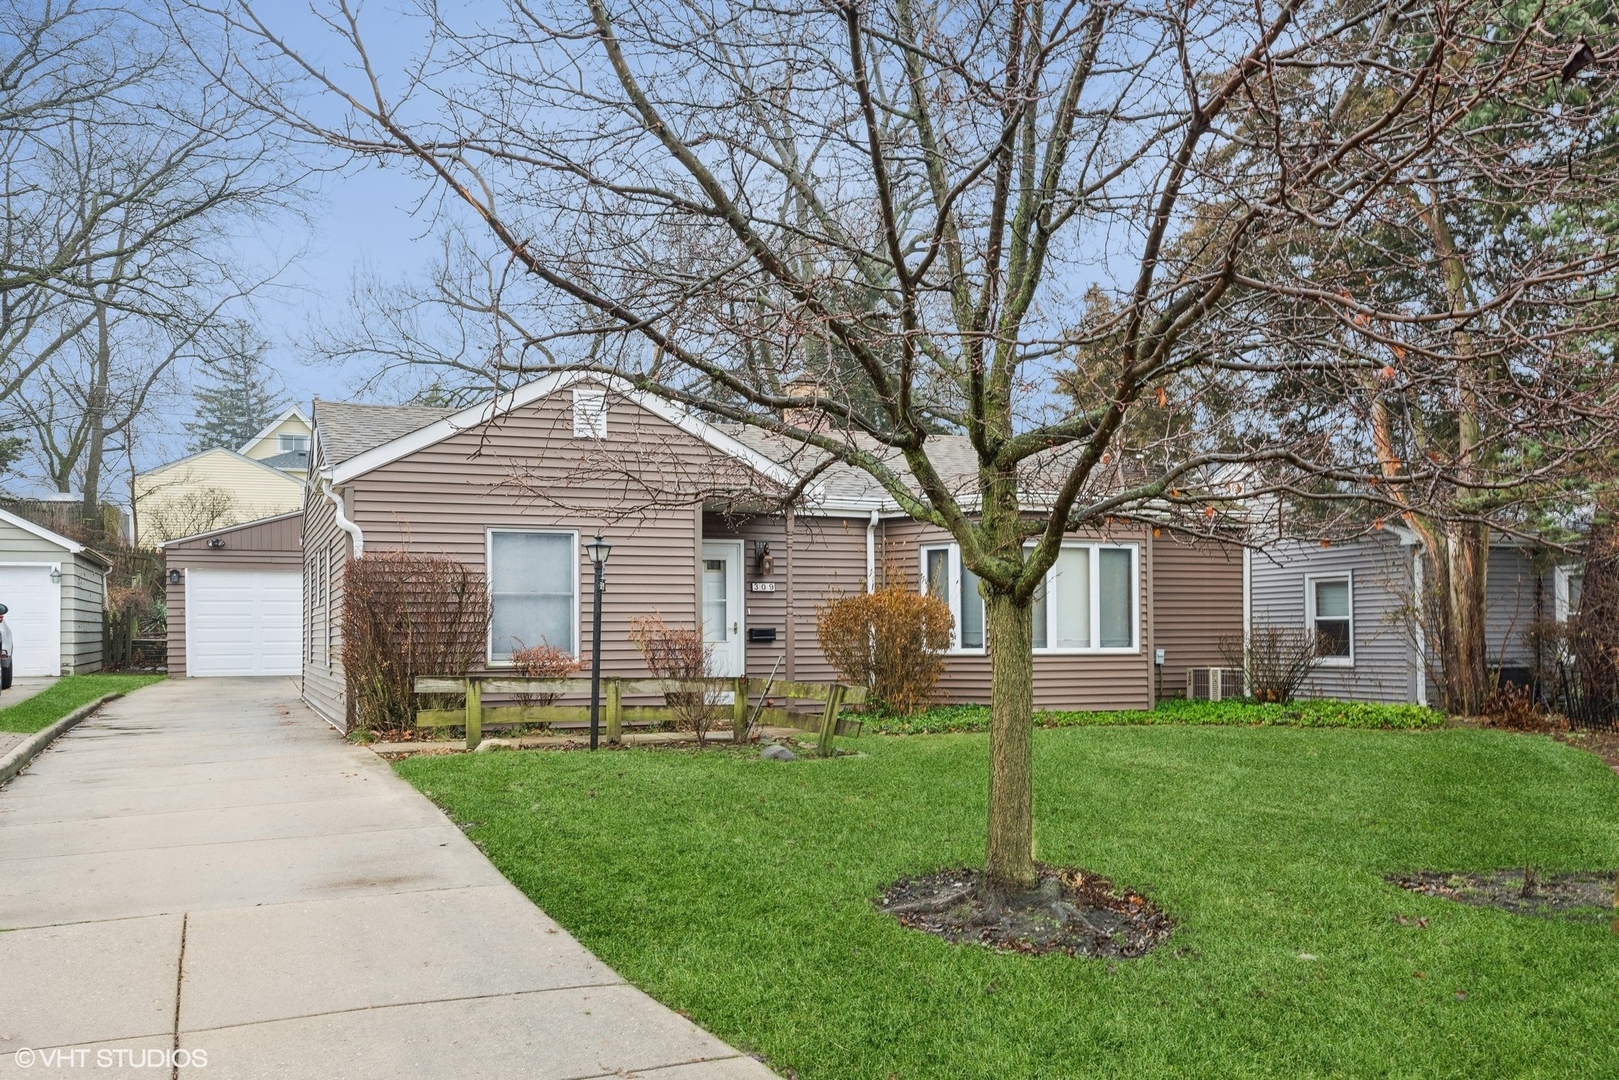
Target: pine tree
column 236, row 399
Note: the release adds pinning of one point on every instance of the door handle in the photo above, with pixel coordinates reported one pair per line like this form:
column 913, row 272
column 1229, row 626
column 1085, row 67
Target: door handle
column 734, row 627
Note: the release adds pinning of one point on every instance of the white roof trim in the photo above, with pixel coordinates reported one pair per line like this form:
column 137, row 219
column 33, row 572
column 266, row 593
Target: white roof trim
column 277, row 422
column 284, row 474
column 41, row 531
column 233, row 528
column 471, row 417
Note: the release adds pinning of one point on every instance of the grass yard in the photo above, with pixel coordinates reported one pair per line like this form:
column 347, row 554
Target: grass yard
column 740, row 892
column 62, row 697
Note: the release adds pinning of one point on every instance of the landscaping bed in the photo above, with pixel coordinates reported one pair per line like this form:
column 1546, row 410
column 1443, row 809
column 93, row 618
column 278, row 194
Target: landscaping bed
column 944, row 719
column 1579, row 895
column 745, row 893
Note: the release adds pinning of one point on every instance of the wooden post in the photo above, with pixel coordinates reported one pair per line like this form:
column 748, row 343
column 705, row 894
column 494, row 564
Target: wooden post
column 615, row 711
column 739, row 710
column 474, row 713
column 829, row 718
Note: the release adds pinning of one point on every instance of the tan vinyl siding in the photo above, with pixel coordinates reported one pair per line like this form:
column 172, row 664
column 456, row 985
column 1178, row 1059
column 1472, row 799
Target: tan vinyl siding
column 258, row 490
column 269, row 446
column 326, row 548
column 527, row 471
column 266, row 545
column 828, row 558
column 1196, row 602
column 1116, row 681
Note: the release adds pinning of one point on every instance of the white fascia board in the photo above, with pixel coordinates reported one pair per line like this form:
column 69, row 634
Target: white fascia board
column 42, row 532
column 475, row 415
column 273, row 424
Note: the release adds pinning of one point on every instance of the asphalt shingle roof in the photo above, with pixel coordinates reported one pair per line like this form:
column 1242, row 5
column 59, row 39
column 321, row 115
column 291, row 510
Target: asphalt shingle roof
column 348, row 428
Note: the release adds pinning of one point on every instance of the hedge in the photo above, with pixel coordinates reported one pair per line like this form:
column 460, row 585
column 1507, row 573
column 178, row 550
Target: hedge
column 1324, row 713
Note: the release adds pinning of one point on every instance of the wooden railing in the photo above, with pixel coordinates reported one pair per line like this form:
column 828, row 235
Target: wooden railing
column 744, row 707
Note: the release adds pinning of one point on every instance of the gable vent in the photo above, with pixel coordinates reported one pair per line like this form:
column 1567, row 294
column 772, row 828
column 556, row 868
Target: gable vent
column 590, row 414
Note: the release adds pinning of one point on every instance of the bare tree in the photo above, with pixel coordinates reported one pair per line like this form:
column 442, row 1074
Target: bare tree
column 855, row 225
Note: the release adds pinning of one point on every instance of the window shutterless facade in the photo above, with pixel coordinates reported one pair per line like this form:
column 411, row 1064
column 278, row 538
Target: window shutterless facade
column 1329, row 602
column 1090, row 601
column 533, row 590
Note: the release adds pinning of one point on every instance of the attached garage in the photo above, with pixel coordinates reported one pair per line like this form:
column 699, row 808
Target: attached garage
column 54, row 589
column 235, row 600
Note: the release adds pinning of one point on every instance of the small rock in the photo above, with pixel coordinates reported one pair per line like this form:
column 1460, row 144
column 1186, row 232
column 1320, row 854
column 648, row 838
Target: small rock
column 777, row 753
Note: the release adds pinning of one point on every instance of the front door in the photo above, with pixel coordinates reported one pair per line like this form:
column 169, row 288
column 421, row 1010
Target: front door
column 722, row 605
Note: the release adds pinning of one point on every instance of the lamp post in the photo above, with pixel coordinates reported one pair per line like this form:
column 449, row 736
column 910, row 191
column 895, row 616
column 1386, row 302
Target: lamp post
column 598, row 550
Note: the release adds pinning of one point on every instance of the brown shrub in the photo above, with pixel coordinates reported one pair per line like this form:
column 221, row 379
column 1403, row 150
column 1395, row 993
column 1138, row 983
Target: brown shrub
column 1513, row 707
column 674, row 654
column 542, row 662
column 1275, row 659
column 406, row 616
column 891, row 641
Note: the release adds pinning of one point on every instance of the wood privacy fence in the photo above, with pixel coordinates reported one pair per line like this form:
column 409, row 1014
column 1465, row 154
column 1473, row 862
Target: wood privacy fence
column 745, row 694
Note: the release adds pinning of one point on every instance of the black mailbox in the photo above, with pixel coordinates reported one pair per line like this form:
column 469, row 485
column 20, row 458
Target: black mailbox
column 762, row 635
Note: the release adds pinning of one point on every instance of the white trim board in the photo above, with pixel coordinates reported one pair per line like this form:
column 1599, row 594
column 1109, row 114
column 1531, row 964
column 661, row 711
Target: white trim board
column 474, row 415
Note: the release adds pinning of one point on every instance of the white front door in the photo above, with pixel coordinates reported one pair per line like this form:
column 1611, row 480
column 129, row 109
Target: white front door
column 244, row 622
column 34, row 613
column 722, row 606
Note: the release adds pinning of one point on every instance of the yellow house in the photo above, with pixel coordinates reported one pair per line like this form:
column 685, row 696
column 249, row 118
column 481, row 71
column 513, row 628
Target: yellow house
column 215, row 488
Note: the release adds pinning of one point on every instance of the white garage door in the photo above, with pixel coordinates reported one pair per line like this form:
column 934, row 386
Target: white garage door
column 34, row 613
column 243, row 622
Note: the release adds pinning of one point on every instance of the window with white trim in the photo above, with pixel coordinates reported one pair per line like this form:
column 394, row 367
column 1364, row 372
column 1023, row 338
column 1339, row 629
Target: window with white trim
column 590, row 414
column 533, row 591
column 1089, row 601
column 286, row 444
column 1569, row 584
column 1330, row 605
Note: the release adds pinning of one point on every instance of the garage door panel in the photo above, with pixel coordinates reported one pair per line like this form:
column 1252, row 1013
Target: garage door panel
column 34, row 614
column 243, row 622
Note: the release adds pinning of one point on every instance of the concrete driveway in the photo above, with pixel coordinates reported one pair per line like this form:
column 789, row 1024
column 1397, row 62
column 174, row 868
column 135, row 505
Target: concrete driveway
column 206, row 868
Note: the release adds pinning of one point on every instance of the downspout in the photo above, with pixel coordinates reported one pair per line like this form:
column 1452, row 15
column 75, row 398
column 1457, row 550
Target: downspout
column 343, row 521
column 1417, row 586
column 871, row 553
column 791, row 636
column 1247, row 620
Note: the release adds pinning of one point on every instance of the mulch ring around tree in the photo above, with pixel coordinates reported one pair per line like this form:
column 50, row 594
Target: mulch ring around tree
column 1071, row 911
column 1581, row 896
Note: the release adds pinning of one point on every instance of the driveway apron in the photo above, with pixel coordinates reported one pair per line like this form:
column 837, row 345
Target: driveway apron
column 203, row 879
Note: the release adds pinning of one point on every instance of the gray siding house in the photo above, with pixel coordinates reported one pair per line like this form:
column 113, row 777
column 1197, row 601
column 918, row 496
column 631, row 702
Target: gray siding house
column 55, row 589
column 1361, row 596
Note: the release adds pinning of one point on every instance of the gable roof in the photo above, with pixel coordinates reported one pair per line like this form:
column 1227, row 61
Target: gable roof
column 255, row 462
column 223, row 529
column 72, row 546
column 343, row 428
column 277, row 422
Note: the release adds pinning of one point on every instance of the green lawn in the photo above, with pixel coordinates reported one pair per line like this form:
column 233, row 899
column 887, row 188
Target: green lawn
column 739, row 891
column 66, row 694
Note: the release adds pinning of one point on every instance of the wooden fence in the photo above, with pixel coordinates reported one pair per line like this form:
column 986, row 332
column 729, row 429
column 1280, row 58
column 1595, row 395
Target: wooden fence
column 745, row 707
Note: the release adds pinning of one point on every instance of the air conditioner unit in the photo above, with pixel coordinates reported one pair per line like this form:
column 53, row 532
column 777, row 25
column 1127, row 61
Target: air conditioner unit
column 1213, row 683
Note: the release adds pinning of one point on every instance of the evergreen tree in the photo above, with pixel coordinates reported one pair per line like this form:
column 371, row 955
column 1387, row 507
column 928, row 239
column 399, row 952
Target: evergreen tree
column 236, row 398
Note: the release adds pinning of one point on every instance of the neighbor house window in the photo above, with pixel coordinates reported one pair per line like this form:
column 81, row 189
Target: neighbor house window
column 533, row 591
column 1087, row 600
column 1329, row 601
column 286, row 444
column 944, row 577
column 590, row 414
column 1570, row 583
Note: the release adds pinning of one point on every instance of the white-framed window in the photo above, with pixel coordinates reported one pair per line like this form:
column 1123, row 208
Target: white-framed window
column 590, row 414
column 1567, row 586
column 1329, row 610
column 286, row 444
column 533, row 590
column 1089, row 600
column 1088, row 603
column 944, row 577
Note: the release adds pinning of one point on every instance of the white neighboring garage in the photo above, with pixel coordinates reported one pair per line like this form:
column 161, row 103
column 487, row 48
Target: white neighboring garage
column 55, row 589
column 235, row 599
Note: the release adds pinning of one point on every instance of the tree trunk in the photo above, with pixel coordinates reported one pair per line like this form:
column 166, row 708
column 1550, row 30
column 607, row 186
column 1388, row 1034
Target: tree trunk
column 1010, row 855
column 1467, row 669
column 96, row 422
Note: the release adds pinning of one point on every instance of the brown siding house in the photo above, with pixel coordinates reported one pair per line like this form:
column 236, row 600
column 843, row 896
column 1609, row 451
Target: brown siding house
column 269, row 546
column 515, row 487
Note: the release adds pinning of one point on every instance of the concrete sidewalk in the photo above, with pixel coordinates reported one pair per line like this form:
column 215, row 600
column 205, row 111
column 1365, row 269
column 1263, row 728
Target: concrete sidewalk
column 205, row 865
column 21, row 690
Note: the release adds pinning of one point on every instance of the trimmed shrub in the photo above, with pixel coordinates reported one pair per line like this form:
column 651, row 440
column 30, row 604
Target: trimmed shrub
column 1232, row 713
column 406, row 616
column 891, row 641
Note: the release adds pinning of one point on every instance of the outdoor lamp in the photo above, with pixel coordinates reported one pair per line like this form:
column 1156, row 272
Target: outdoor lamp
column 598, row 550
column 174, row 577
